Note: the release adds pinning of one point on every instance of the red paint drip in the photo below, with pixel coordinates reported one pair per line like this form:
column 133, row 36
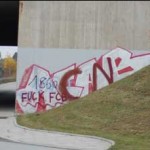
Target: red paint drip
column 41, row 103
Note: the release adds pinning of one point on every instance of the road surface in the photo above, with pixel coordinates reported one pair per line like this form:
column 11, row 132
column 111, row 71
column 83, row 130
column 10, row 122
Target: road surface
column 7, row 109
column 5, row 145
column 10, row 86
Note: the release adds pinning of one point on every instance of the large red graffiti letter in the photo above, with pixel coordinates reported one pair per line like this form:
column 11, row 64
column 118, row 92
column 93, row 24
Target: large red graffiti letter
column 63, row 84
column 109, row 79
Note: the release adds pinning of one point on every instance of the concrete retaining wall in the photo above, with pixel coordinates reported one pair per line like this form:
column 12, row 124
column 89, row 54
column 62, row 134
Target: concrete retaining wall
column 84, row 24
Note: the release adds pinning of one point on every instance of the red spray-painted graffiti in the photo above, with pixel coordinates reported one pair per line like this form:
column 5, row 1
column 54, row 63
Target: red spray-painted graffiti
column 64, row 81
column 41, row 90
column 109, row 79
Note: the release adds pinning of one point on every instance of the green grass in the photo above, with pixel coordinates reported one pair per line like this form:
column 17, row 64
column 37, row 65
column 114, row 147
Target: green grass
column 120, row 112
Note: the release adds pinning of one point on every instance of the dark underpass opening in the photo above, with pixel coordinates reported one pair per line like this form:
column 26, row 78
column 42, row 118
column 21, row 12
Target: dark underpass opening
column 7, row 104
column 7, row 99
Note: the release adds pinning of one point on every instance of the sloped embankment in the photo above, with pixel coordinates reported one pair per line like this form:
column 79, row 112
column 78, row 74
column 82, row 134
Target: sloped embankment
column 120, row 112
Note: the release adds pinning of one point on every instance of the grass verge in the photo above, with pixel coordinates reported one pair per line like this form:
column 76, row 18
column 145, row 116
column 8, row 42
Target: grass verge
column 120, row 112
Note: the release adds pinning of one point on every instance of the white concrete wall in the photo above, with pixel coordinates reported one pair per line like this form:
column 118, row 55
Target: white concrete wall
column 41, row 83
column 85, row 24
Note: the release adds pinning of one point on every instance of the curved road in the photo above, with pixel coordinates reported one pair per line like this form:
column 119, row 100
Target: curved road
column 7, row 109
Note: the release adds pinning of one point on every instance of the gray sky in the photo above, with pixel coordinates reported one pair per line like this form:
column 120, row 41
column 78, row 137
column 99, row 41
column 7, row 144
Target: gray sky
column 7, row 50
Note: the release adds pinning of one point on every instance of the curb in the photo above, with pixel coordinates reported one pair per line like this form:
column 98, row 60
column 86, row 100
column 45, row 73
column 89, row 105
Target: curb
column 111, row 142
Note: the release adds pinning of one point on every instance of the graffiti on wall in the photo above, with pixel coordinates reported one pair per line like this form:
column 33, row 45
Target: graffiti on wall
column 41, row 90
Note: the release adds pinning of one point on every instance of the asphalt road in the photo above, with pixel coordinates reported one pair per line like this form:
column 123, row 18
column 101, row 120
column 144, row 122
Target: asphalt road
column 7, row 109
column 10, row 86
column 5, row 145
